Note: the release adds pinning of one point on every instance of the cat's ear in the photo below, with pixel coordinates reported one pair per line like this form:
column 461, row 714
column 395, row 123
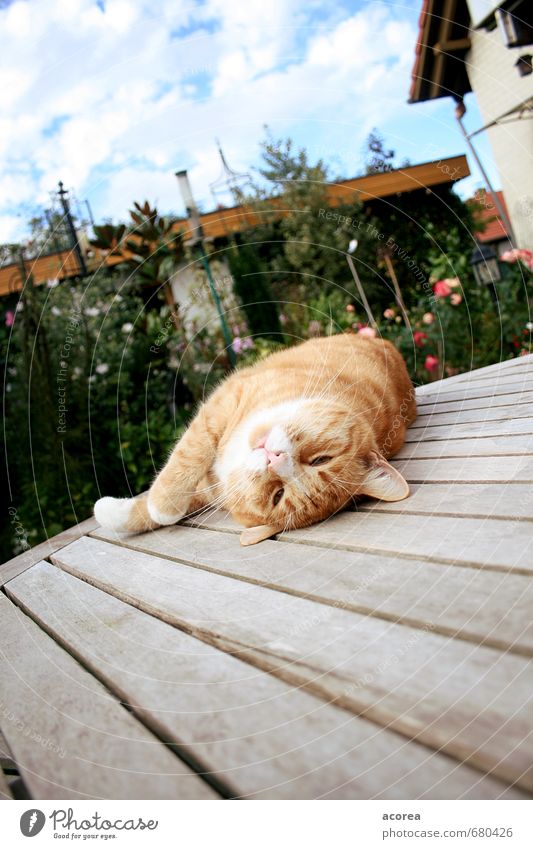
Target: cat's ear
column 252, row 535
column 383, row 481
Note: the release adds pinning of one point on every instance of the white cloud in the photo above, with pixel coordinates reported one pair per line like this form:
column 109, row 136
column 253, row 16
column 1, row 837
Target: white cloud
column 114, row 102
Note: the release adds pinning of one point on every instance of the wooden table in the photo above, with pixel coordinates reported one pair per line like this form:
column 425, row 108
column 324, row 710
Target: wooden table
column 385, row 653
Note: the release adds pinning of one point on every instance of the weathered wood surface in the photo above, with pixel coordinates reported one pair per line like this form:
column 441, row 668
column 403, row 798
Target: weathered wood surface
column 481, row 446
column 461, row 602
column 450, row 432
column 437, row 405
column 5, row 793
column 472, row 500
column 384, row 653
column 70, row 738
column 257, row 735
column 367, row 664
column 481, row 543
column 44, row 549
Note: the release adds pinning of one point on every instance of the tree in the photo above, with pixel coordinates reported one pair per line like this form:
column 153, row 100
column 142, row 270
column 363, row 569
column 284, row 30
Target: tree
column 301, row 240
column 378, row 158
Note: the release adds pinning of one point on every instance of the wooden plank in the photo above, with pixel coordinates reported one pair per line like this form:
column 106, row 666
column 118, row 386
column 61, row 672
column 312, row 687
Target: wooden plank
column 487, row 446
column 6, row 758
column 486, row 373
column 429, row 406
column 467, row 392
column 44, row 549
column 468, row 429
column 471, row 701
column 492, row 500
column 69, row 736
column 5, row 793
column 256, row 734
column 462, row 602
column 483, row 543
column 463, row 416
column 468, row 470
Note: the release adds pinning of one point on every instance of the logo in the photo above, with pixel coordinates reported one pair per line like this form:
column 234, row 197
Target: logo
column 32, row 822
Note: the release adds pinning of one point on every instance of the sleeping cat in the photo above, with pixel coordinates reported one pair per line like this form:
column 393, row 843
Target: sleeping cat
column 285, row 443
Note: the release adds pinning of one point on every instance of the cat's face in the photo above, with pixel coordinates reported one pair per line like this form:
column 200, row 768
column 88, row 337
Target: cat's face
column 294, row 465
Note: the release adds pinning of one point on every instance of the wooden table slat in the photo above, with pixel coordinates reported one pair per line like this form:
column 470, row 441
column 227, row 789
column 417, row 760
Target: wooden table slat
column 482, row 543
column 471, row 430
column 467, row 470
column 71, row 739
column 463, row 602
column 255, row 733
column 520, row 400
column 469, row 500
column 517, row 445
column 469, row 700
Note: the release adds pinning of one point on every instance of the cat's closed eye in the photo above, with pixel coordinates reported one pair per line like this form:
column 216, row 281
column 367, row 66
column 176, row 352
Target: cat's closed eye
column 318, row 461
column 278, row 496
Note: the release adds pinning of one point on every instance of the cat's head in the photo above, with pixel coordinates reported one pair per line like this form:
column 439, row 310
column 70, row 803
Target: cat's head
column 297, row 464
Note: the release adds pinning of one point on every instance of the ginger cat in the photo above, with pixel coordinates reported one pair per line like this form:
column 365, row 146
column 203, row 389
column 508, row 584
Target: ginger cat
column 285, row 443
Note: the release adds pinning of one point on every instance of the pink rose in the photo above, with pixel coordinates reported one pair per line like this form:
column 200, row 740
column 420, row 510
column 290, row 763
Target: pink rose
column 455, row 298
column 350, row 308
column 369, row 332
column 388, row 313
column 431, row 363
column 419, row 338
column 428, row 318
column 10, row 318
column 522, row 254
column 442, row 289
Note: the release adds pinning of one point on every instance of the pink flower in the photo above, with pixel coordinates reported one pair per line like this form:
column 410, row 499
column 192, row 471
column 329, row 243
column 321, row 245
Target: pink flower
column 428, row 318
column 442, row 289
column 247, row 343
column 388, row 313
column 522, row 254
column 237, row 345
column 368, row 332
column 315, row 328
column 431, row 363
column 419, row 338
column 10, row 318
column 282, row 318
column 455, row 298
column 350, row 308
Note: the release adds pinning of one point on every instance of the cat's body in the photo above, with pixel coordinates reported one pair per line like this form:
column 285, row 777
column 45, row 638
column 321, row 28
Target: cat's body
column 286, row 442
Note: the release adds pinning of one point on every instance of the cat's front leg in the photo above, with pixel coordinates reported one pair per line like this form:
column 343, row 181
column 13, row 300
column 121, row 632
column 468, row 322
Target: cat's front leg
column 175, row 490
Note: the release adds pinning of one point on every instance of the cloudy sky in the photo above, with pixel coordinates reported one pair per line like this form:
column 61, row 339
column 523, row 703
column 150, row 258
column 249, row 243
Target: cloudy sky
column 113, row 96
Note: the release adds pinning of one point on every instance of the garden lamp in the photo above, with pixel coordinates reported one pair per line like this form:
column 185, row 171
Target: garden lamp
column 485, row 265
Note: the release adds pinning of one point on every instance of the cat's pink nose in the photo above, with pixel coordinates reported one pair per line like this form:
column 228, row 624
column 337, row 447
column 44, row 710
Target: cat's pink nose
column 275, row 458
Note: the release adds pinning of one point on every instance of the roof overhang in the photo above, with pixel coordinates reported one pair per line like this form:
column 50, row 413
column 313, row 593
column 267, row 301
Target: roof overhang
column 443, row 42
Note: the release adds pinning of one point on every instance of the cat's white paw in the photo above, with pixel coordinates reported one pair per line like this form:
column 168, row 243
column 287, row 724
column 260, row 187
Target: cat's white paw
column 163, row 518
column 113, row 513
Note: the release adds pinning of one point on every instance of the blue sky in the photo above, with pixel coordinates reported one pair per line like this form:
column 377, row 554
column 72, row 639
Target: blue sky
column 114, row 96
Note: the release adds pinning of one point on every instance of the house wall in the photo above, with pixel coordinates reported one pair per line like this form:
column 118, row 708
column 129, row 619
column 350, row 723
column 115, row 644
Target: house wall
column 498, row 88
column 192, row 294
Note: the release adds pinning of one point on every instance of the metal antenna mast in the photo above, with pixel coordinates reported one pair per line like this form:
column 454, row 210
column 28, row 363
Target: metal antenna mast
column 229, row 179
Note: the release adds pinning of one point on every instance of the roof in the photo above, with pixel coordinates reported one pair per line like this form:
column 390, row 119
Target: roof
column 488, row 214
column 230, row 220
column 443, row 41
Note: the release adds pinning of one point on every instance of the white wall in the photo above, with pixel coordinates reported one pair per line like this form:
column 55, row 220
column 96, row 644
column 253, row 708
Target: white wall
column 498, row 87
